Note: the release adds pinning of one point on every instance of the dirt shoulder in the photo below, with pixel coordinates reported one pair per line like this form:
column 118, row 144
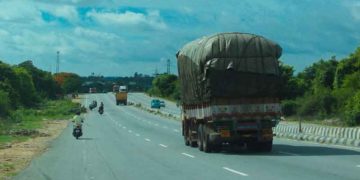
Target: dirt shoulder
column 17, row 156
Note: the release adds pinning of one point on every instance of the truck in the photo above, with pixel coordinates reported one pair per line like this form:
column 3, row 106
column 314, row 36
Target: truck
column 121, row 95
column 229, row 85
column 92, row 90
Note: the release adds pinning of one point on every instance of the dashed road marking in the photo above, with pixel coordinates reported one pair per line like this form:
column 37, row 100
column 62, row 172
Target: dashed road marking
column 188, row 155
column 358, row 166
column 236, row 172
column 148, row 140
column 176, row 130
column 165, row 127
column 130, row 131
column 286, row 153
column 162, row 145
column 156, row 124
column 124, row 127
column 137, row 134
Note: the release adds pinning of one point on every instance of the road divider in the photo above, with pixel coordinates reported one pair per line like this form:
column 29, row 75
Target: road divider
column 320, row 134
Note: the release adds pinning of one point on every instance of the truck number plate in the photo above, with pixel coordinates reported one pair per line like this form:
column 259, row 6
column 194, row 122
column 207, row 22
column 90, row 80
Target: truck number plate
column 224, row 133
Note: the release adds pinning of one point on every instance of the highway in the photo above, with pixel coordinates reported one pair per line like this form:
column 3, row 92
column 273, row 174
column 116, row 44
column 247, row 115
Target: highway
column 128, row 143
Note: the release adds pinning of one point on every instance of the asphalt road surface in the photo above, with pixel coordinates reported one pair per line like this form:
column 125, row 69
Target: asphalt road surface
column 144, row 100
column 128, row 143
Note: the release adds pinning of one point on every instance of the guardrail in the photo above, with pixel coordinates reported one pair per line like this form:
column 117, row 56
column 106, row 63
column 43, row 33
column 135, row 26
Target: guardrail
column 321, row 134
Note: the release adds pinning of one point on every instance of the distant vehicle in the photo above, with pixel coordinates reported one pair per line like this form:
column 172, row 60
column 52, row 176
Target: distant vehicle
column 92, row 90
column 162, row 103
column 121, row 95
column 155, row 103
column 116, row 88
column 236, row 101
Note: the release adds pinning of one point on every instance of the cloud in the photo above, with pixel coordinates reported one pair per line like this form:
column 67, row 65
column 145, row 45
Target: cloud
column 128, row 18
column 68, row 12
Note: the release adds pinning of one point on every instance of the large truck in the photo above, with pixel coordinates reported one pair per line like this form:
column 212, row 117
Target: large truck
column 121, row 95
column 229, row 91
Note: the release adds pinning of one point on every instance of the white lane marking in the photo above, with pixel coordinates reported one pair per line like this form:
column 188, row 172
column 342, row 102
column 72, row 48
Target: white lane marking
column 119, row 125
column 358, row 166
column 148, row 140
column 287, row 153
column 236, row 172
column 124, row 127
column 176, row 130
column 130, row 131
column 137, row 135
column 156, row 124
column 165, row 127
column 162, row 145
column 188, row 155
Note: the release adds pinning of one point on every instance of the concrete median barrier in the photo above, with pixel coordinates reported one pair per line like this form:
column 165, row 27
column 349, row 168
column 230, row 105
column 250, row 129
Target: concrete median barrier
column 321, row 134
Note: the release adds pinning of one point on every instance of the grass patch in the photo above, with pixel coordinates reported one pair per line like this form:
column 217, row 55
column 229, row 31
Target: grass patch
column 4, row 139
column 29, row 120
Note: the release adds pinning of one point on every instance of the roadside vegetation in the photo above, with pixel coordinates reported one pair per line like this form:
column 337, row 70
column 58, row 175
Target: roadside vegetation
column 29, row 97
column 327, row 92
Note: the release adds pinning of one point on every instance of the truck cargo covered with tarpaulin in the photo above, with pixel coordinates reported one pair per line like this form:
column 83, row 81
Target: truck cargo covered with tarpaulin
column 228, row 65
column 229, row 88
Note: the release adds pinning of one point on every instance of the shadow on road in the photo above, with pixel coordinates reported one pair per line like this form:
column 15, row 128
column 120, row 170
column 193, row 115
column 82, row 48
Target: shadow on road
column 86, row 138
column 292, row 150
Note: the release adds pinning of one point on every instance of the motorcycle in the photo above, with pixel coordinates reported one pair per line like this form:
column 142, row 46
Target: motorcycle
column 101, row 111
column 77, row 131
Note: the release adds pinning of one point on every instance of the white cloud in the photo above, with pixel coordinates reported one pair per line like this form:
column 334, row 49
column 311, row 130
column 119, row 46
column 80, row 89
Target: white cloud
column 129, row 18
column 95, row 34
column 68, row 12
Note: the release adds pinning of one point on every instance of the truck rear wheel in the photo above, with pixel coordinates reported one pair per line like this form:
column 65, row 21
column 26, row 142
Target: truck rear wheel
column 205, row 139
column 187, row 142
column 200, row 138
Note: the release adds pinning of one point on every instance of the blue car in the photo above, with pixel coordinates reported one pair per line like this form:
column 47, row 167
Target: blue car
column 155, row 103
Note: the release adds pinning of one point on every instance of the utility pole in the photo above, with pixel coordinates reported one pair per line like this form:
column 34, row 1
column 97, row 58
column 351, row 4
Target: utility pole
column 168, row 67
column 57, row 61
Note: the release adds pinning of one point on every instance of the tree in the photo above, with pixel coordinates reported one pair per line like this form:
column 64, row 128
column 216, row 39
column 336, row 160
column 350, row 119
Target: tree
column 44, row 83
column 27, row 92
column 69, row 82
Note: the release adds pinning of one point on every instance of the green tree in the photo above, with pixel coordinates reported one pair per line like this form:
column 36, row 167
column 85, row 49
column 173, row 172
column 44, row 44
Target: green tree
column 27, row 92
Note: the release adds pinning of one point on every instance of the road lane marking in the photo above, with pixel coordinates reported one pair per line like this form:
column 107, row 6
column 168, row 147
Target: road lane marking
column 236, row 172
column 188, row 155
column 176, row 130
column 165, row 127
column 286, row 153
column 156, row 124
column 358, row 166
column 130, row 131
column 162, row 145
column 124, row 127
column 137, row 135
column 148, row 140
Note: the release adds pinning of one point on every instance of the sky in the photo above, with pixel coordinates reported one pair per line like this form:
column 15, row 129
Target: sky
column 121, row 37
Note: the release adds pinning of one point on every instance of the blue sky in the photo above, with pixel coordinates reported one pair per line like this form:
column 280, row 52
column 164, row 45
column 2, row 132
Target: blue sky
column 121, row 37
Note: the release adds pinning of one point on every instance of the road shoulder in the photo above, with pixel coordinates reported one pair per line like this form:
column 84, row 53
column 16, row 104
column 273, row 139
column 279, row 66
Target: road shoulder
column 17, row 156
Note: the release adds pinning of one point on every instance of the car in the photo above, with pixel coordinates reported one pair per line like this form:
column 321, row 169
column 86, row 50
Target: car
column 155, row 103
column 162, row 103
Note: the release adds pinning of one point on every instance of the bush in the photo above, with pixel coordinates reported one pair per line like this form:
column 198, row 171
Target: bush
column 4, row 103
column 352, row 110
column 289, row 107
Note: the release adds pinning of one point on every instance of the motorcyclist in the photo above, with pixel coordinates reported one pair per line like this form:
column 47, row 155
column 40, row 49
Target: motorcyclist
column 77, row 121
column 101, row 107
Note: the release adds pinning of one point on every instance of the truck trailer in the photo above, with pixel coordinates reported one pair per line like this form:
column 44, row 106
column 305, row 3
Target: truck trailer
column 229, row 91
